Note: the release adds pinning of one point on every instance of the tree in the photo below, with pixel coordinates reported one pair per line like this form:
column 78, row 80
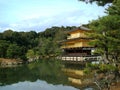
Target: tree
column 30, row 54
column 13, row 51
column 49, row 40
column 114, row 9
column 99, row 2
column 107, row 36
column 15, row 44
column 41, row 47
column 3, row 48
column 7, row 35
column 107, row 32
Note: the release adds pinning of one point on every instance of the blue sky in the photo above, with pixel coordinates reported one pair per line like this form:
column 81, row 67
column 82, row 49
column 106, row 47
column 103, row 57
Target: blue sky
column 26, row 15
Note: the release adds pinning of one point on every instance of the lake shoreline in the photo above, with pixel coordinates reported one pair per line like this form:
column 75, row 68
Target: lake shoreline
column 10, row 62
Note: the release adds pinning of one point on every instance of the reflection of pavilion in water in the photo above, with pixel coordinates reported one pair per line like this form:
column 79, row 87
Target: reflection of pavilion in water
column 76, row 47
column 77, row 78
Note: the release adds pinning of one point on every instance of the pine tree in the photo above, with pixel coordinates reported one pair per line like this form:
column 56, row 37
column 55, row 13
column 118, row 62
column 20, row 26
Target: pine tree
column 106, row 32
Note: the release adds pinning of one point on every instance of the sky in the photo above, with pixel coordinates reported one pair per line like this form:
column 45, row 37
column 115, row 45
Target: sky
column 37, row 15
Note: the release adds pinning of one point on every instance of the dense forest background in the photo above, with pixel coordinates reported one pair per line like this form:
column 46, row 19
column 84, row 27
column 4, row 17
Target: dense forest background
column 25, row 45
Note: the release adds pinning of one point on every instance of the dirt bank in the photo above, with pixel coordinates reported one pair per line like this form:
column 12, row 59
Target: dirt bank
column 9, row 62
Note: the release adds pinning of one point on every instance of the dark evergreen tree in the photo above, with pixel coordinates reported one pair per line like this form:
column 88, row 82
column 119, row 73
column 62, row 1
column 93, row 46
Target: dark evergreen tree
column 99, row 2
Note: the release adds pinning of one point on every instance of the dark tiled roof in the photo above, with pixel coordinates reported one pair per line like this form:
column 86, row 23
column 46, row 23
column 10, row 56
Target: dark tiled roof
column 83, row 28
column 80, row 28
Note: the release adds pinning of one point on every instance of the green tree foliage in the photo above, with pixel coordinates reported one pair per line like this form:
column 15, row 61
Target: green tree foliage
column 114, row 9
column 107, row 33
column 21, row 45
column 30, row 53
column 42, row 46
column 48, row 47
column 99, row 2
column 15, row 44
column 3, row 48
column 43, row 70
column 49, row 44
column 13, row 51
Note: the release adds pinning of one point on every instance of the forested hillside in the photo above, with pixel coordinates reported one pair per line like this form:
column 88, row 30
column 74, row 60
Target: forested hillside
column 24, row 45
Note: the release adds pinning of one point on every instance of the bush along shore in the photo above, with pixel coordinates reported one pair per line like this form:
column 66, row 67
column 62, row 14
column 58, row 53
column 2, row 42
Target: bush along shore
column 106, row 76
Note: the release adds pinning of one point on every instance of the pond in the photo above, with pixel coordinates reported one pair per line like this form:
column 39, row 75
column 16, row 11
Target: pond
column 40, row 75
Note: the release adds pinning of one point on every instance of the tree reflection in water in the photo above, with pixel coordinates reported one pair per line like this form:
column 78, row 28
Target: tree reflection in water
column 49, row 71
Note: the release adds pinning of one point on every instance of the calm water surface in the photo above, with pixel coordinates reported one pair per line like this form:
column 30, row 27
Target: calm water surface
column 42, row 75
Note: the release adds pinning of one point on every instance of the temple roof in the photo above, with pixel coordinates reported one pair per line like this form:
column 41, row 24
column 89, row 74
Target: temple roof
column 84, row 28
column 80, row 28
column 76, row 39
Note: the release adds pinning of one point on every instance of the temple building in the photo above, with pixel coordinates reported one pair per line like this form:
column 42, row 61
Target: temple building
column 77, row 43
column 77, row 48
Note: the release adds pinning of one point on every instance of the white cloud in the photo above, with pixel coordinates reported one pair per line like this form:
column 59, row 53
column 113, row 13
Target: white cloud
column 48, row 18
